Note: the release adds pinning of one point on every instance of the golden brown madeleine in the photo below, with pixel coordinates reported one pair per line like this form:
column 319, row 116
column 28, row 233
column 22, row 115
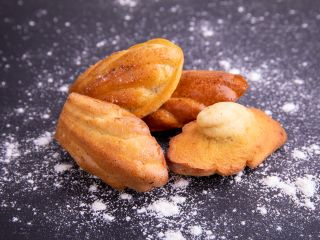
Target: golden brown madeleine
column 111, row 143
column 139, row 79
column 196, row 90
column 225, row 138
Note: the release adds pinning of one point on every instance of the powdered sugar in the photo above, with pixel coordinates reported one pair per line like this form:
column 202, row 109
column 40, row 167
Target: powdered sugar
column 196, row 230
column 306, row 152
column 101, row 44
column 20, row 110
column 306, row 185
column 11, row 150
column 125, row 196
column 241, row 9
column 238, row 177
column 262, row 210
column 289, row 108
column 43, row 140
column 62, row 167
column 247, row 41
column 164, row 208
column 206, row 30
column 225, row 64
column 275, row 182
column 178, row 199
column 108, row 217
column 180, row 183
column 64, row 88
column 254, row 76
column 298, row 154
column 271, row 181
column 98, row 205
column 298, row 81
column 172, row 235
column 93, row 188
column 129, row 3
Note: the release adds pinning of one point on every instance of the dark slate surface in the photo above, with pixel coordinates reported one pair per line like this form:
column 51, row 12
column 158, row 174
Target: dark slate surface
column 46, row 44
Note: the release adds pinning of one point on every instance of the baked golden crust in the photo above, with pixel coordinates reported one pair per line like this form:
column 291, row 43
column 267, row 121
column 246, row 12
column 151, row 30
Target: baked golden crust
column 218, row 148
column 139, row 79
column 111, row 143
column 196, row 90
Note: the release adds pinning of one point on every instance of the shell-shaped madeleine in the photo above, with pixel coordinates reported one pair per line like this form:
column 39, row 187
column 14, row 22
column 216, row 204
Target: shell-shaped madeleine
column 111, row 143
column 139, row 79
column 225, row 138
column 196, row 90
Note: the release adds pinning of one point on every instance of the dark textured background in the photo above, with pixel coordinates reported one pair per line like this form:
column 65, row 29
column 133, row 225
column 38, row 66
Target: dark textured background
column 279, row 38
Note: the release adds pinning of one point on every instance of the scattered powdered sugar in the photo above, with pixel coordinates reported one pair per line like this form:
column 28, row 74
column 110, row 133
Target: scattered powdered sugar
column 20, row 110
column 45, row 116
column 235, row 71
column 298, row 81
column 275, row 182
column 98, row 205
column 196, row 230
column 93, row 188
column 298, row 154
column 271, row 181
column 306, row 152
column 172, row 235
column 289, row 108
column 206, row 30
column 101, row 43
column 237, row 178
column 178, row 199
column 306, row 185
column 125, row 196
column 108, row 217
column 284, row 192
column 142, row 210
column 254, row 76
column 308, row 204
column 180, row 183
column 64, row 88
column 262, row 210
column 62, row 167
column 312, row 149
column 129, row 3
column 164, row 208
column 43, row 140
column 241, row 9
column 225, row 64
column 268, row 112
column 11, row 150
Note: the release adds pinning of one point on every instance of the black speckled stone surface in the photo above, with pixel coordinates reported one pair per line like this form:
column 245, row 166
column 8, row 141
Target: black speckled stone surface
column 44, row 45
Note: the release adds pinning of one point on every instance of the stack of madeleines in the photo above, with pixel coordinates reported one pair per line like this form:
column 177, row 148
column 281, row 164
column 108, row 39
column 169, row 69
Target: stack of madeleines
column 106, row 121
